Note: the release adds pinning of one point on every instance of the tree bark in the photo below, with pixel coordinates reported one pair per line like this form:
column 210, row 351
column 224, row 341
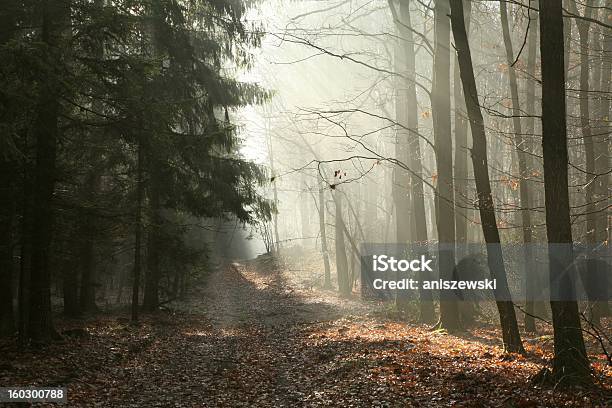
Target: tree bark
column 8, row 204
column 324, row 251
column 591, row 188
column 151, row 289
column 419, row 218
column 40, row 325
column 445, row 220
column 603, row 144
column 138, row 230
column 570, row 362
column 521, row 145
column 510, row 331
column 530, row 278
column 461, row 149
column 341, row 259
column 401, row 179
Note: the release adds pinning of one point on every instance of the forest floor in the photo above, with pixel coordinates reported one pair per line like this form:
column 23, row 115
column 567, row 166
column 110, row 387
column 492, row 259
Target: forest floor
column 251, row 337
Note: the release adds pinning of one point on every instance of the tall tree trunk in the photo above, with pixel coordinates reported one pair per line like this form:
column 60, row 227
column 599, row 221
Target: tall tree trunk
column 589, row 144
column 531, row 280
column 401, row 179
column 322, row 229
column 419, row 218
column 152, row 277
column 445, row 220
column 510, row 331
column 341, row 259
column 406, row 116
column 461, row 150
column 304, row 211
column 87, row 301
column 8, row 177
column 138, row 230
column 274, row 187
column 40, row 325
column 25, row 251
column 570, row 362
column 603, row 145
column 521, row 146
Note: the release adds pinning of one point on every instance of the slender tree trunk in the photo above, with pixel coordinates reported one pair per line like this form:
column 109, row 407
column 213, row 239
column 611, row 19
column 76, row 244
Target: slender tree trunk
column 570, row 363
column 401, row 179
column 138, row 230
column 341, row 259
column 603, row 145
column 461, row 150
column 25, row 251
column 8, row 204
column 588, row 139
column 406, row 116
column 274, row 188
column 445, row 220
column 419, row 218
column 87, row 301
column 151, row 290
column 531, row 278
column 510, row 331
column 521, row 146
column 40, row 325
column 324, row 251
column 304, row 210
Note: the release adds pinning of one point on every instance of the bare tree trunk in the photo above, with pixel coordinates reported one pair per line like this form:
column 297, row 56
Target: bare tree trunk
column 445, row 220
column 531, row 278
column 603, row 144
column 341, row 259
column 520, row 144
column 570, row 363
column 274, row 188
column 324, row 251
column 401, row 179
column 25, row 252
column 419, row 218
column 304, row 210
column 510, row 331
column 592, row 184
column 406, row 116
column 461, row 149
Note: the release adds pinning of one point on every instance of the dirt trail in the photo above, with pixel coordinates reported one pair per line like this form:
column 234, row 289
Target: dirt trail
column 250, row 338
column 268, row 327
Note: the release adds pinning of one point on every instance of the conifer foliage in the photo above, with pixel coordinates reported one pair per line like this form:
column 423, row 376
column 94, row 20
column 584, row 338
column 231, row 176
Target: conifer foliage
column 115, row 133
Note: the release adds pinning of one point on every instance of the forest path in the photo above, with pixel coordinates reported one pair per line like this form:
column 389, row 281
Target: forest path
column 252, row 337
column 272, row 354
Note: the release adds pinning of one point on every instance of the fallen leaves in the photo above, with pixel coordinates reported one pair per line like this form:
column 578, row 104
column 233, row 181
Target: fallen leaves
column 245, row 340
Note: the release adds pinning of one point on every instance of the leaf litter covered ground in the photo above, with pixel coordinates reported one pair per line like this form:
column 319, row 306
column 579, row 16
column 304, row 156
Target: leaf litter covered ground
column 251, row 338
